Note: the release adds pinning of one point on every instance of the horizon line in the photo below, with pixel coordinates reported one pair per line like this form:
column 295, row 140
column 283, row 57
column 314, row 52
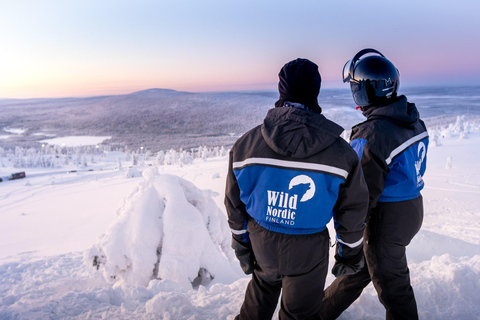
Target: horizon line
column 336, row 87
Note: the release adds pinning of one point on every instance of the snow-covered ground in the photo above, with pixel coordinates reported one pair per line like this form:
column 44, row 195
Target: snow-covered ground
column 54, row 226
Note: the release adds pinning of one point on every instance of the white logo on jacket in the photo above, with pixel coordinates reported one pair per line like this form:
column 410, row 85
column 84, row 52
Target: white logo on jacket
column 282, row 205
column 422, row 150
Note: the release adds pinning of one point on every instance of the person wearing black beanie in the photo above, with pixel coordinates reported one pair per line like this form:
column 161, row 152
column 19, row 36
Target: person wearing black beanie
column 300, row 82
column 286, row 179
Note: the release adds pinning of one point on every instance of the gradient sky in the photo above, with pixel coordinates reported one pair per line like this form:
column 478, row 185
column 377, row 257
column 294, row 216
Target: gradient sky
column 91, row 47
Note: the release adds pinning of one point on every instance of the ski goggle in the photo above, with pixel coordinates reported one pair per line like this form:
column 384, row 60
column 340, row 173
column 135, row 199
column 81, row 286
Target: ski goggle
column 350, row 64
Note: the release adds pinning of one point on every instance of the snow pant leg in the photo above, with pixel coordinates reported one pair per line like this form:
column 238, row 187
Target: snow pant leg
column 298, row 263
column 261, row 297
column 392, row 226
column 302, row 294
column 342, row 292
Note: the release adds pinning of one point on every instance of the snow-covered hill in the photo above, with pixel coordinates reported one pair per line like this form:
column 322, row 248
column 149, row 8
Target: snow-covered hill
column 160, row 119
column 156, row 119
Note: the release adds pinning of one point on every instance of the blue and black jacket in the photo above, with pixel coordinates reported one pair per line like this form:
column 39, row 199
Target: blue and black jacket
column 292, row 174
column 392, row 145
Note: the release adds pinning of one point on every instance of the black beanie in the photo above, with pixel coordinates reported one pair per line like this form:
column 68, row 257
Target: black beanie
column 300, row 82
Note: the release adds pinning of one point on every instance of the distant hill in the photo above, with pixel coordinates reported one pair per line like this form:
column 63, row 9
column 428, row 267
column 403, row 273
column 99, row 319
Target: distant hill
column 160, row 119
column 156, row 119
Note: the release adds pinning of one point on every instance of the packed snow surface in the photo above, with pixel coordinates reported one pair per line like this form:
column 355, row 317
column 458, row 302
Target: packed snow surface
column 112, row 244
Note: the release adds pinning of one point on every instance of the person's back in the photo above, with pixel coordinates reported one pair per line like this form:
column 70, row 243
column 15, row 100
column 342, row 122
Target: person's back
column 290, row 168
column 287, row 178
column 399, row 138
column 392, row 146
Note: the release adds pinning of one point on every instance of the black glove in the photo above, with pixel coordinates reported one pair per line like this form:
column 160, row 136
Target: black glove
column 244, row 253
column 343, row 266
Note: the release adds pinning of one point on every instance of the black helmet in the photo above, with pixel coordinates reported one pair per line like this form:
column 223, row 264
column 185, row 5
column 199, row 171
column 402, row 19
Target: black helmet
column 373, row 79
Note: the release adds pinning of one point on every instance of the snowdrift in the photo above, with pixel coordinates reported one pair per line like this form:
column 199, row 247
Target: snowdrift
column 165, row 229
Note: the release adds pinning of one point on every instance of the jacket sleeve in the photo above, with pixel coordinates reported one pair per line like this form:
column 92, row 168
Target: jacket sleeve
column 375, row 171
column 236, row 211
column 350, row 214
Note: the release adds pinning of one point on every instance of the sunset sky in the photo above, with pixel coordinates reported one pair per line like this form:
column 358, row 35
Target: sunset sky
column 94, row 47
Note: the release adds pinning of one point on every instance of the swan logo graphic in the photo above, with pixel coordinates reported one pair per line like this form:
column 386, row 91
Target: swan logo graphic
column 421, row 153
column 282, row 205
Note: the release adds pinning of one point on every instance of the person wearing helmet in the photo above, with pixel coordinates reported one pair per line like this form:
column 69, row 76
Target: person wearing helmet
column 392, row 146
column 286, row 179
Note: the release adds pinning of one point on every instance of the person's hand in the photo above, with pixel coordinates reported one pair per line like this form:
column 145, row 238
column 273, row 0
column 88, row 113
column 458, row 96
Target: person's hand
column 244, row 254
column 343, row 266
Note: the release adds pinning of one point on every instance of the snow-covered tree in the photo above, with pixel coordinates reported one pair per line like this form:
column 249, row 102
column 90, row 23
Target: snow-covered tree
column 134, row 159
column 142, row 243
column 119, row 164
column 160, row 158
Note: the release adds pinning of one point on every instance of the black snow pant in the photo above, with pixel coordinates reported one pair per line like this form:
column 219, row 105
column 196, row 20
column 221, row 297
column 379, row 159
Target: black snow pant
column 390, row 228
column 295, row 265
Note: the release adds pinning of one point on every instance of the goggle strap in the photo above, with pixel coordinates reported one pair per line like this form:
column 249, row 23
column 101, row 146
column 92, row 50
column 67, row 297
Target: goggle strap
column 364, row 52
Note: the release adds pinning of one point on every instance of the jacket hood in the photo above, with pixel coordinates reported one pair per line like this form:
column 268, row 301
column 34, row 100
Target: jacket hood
column 399, row 111
column 298, row 133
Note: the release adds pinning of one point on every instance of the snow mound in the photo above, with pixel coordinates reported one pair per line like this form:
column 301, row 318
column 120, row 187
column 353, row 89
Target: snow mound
column 427, row 244
column 447, row 287
column 132, row 173
column 59, row 287
column 165, row 229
